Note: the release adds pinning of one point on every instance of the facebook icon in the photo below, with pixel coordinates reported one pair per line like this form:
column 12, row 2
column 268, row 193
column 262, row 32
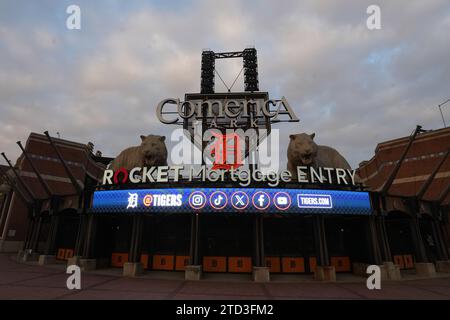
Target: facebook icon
column 261, row 200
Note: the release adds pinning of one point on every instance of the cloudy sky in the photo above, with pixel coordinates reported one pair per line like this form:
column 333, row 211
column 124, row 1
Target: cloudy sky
column 354, row 87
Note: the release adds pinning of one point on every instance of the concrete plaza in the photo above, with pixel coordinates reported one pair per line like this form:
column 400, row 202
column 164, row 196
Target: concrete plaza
column 30, row 281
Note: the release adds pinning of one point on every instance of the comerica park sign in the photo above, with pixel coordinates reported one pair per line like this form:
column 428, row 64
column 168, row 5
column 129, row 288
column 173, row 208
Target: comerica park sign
column 243, row 176
column 234, row 110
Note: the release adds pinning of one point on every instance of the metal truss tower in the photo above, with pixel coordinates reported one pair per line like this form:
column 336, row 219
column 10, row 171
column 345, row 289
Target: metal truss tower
column 250, row 66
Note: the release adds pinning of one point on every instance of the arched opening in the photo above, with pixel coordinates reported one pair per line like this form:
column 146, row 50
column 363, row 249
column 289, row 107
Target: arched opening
column 66, row 233
column 348, row 241
column 289, row 244
column 165, row 242
column 227, row 243
column 398, row 225
column 112, row 240
column 429, row 237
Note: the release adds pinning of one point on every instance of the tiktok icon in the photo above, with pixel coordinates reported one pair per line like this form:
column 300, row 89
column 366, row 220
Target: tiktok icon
column 218, row 200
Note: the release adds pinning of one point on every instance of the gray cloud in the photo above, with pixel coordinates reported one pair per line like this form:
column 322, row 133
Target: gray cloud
column 352, row 86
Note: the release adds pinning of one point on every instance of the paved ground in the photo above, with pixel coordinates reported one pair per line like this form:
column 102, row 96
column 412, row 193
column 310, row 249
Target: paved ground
column 25, row 281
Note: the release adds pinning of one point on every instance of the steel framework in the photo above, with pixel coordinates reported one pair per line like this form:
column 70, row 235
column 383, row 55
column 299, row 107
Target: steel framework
column 250, row 66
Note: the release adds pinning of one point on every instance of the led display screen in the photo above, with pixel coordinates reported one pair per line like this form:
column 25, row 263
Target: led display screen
column 243, row 200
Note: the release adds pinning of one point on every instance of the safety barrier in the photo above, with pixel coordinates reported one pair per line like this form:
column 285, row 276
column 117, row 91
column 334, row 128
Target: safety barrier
column 163, row 262
column 240, row 264
column 293, row 265
column 181, row 262
column 405, row 261
column 215, row 264
column 118, row 259
column 341, row 264
column 64, row 254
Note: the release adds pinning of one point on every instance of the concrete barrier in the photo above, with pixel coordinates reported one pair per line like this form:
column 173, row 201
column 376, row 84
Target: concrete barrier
column 443, row 266
column 392, row 270
column 360, row 269
column 132, row 269
column 193, row 272
column 261, row 274
column 88, row 264
column 75, row 260
column 425, row 269
column 325, row 273
column 46, row 259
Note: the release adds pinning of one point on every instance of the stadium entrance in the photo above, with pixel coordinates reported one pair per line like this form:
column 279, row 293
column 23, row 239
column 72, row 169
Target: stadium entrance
column 289, row 244
column 227, row 243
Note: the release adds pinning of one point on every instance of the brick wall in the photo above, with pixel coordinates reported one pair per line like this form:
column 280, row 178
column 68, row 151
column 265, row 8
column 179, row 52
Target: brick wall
column 79, row 160
column 424, row 155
